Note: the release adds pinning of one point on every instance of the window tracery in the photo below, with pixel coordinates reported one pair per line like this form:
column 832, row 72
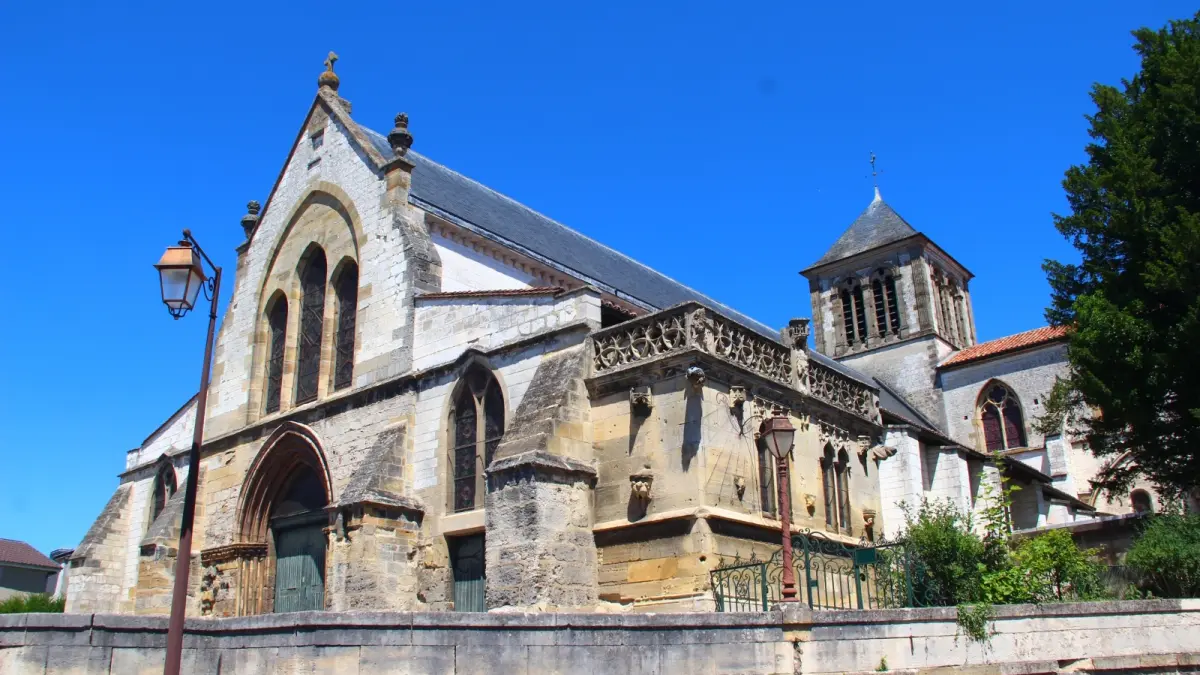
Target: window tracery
column 835, row 484
column 1000, row 416
column 312, row 325
column 476, row 428
column 277, row 326
column 346, row 291
column 854, row 314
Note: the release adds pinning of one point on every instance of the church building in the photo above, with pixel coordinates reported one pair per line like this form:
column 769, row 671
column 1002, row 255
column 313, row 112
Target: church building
column 427, row 396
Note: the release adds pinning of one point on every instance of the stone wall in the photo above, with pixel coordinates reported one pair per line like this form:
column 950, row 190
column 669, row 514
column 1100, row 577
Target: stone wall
column 1161, row 636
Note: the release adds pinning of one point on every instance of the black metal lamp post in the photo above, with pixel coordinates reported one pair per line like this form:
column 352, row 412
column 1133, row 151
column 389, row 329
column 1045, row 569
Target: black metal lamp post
column 779, row 435
column 181, row 276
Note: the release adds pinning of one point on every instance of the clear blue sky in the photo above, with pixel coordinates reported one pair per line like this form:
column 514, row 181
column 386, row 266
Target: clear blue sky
column 690, row 136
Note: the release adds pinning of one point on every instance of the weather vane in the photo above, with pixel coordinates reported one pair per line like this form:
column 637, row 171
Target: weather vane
column 874, row 173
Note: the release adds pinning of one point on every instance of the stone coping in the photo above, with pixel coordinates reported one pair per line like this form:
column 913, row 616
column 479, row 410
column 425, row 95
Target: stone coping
column 790, row 617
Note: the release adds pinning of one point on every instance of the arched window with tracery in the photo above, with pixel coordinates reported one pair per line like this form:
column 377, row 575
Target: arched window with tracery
column 1000, row 416
column 476, row 427
column 164, row 489
column 276, row 343
column 346, row 291
column 312, row 325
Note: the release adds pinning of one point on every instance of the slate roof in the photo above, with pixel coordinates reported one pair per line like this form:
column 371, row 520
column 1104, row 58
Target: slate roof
column 464, row 199
column 13, row 552
column 879, row 224
column 1006, row 345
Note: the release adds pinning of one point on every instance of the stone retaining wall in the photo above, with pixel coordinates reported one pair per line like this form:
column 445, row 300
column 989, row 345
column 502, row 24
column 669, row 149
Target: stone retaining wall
column 1148, row 636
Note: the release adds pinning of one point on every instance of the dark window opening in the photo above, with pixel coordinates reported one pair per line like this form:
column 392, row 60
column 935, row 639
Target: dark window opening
column 880, row 306
column 312, row 325
column 477, row 426
column 1141, row 502
column 860, row 314
column 893, row 309
column 277, row 323
column 346, row 290
column 843, row 479
column 848, row 318
column 164, row 489
column 828, row 486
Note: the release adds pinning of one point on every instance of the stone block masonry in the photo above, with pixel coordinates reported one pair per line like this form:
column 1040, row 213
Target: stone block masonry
column 1158, row 636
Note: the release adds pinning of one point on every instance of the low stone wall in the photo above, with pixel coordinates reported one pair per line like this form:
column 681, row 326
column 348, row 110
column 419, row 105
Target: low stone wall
column 1146, row 637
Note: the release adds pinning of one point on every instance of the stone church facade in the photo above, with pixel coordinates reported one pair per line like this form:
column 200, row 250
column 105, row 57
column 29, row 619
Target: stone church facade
column 428, row 396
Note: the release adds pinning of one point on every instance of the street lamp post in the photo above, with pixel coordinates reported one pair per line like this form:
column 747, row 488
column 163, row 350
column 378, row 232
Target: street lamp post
column 181, row 276
column 779, row 434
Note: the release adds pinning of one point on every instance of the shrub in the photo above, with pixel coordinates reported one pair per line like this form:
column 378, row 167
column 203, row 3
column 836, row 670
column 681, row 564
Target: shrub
column 1167, row 556
column 947, row 556
column 23, row 604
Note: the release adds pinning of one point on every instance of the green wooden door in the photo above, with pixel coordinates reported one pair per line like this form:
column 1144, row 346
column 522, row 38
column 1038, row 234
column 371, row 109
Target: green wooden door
column 466, row 557
column 300, row 569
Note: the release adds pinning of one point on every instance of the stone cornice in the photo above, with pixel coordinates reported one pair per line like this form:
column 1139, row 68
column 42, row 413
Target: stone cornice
column 220, row 554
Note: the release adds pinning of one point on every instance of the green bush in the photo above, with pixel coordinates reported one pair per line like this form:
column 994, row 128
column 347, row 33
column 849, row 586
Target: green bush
column 946, row 556
column 1167, row 556
column 22, row 604
column 1046, row 568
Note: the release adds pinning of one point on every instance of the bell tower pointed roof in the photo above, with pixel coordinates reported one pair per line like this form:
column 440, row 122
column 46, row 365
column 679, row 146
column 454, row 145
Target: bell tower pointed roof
column 878, row 225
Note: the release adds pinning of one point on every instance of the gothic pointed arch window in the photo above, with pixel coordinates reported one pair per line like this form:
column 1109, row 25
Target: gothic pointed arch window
column 346, row 291
column 1001, row 419
column 277, row 317
column 312, row 324
column 164, row 489
column 476, row 427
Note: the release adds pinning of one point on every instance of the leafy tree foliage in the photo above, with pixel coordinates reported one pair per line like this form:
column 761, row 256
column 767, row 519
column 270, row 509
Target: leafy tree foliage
column 1133, row 302
column 1167, row 556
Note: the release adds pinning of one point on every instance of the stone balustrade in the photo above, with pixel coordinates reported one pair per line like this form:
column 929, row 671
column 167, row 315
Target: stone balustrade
column 693, row 327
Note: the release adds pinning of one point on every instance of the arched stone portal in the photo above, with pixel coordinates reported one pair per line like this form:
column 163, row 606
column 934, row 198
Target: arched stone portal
column 283, row 515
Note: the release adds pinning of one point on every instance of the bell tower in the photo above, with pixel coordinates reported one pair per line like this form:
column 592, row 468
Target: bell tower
column 890, row 302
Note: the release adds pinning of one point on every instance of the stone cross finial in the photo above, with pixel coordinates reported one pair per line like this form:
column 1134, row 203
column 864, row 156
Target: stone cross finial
column 399, row 137
column 328, row 78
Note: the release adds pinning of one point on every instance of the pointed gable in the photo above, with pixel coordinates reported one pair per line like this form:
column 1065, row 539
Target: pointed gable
column 879, row 224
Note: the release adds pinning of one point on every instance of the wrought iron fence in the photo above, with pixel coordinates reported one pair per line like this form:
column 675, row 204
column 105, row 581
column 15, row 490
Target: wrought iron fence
column 829, row 575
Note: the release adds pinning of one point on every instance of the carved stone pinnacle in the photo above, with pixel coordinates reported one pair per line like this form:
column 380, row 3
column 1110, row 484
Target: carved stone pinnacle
column 250, row 220
column 399, row 137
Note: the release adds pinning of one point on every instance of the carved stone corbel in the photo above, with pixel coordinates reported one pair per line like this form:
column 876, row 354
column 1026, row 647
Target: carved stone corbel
column 641, row 402
column 640, row 485
column 737, row 397
column 695, row 375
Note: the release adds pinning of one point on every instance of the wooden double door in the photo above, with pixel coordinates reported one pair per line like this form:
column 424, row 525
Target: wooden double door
column 299, row 568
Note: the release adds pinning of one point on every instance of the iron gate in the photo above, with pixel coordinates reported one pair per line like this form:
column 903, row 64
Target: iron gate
column 829, row 575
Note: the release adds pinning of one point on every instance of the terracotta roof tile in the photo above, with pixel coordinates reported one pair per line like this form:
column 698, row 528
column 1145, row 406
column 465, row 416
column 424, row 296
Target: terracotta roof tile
column 497, row 293
column 1004, row 345
column 19, row 553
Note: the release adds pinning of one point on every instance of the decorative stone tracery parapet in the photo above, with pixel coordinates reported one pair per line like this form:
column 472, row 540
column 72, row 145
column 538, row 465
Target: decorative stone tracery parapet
column 692, row 327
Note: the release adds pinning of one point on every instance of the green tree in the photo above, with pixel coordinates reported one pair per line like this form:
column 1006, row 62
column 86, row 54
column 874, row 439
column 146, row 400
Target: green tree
column 1132, row 303
column 1167, row 555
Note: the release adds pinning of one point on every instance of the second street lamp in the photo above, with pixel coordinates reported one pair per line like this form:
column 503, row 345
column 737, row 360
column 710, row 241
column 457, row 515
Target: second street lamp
column 779, row 436
column 181, row 276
